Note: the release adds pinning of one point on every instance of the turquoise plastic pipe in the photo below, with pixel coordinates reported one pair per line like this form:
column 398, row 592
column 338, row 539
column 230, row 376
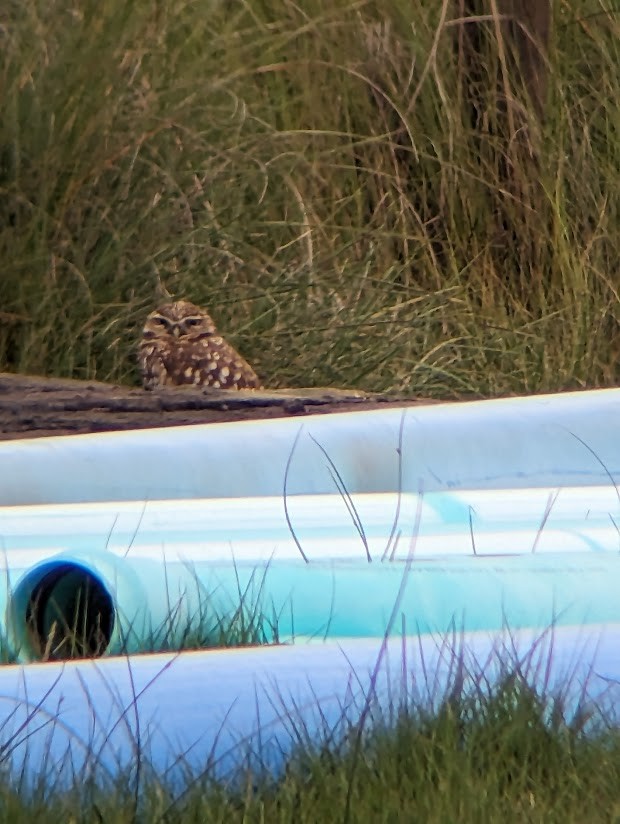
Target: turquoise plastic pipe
column 477, row 558
column 555, row 440
column 324, row 599
column 69, row 724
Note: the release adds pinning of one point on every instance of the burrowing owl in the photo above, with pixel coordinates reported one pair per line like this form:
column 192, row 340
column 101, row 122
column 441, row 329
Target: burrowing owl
column 180, row 345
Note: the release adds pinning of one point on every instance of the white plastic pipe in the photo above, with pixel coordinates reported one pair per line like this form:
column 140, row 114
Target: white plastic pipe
column 218, row 711
column 554, row 440
column 378, row 526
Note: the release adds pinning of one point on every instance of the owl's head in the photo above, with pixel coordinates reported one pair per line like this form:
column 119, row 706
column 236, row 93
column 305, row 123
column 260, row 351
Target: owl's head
column 177, row 320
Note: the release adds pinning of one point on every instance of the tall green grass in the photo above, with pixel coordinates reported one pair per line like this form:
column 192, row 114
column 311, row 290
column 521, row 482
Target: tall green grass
column 311, row 174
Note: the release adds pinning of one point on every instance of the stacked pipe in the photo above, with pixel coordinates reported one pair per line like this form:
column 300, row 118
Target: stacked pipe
column 471, row 516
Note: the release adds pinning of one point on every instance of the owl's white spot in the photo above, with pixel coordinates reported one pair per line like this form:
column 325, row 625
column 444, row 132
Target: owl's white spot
column 224, row 372
column 197, row 378
column 237, row 377
column 216, row 356
column 212, row 366
column 216, row 384
column 188, row 372
column 217, row 341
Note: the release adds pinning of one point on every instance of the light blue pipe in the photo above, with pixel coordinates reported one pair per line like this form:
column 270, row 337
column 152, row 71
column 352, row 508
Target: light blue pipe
column 322, row 527
column 80, row 722
column 553, row 440
column 294, row 600
column 480, row 557
column 128, row 605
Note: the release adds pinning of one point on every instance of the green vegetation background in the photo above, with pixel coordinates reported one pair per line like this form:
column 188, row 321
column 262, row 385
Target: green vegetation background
column 311, row 174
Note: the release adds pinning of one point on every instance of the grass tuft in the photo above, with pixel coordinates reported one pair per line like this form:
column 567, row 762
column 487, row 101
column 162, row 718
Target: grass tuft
column 313, row 176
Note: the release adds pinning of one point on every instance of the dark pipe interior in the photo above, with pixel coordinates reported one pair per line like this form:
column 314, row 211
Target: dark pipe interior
column 69, row 614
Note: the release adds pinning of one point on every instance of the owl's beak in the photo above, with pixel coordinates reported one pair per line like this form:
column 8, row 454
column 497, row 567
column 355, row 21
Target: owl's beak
column 176, row 330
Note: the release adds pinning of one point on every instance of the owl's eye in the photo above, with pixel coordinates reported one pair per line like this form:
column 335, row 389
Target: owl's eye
column 193, row 321
column 160, row 321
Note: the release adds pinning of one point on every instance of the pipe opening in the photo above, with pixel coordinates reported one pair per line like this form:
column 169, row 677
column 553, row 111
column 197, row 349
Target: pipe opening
column 69, row 614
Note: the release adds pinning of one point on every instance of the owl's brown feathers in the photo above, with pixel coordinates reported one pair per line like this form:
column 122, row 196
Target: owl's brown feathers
column 180, row 345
